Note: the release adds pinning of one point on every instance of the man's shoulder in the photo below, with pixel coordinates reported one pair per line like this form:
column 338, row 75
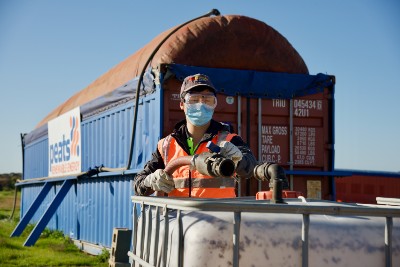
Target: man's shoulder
column 222, row 126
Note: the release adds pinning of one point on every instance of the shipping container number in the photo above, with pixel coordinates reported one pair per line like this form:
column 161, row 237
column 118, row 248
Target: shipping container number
column 302, row 107
column 301, row 112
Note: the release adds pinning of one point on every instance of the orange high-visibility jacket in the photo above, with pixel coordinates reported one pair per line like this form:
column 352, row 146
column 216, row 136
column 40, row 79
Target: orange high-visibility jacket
column 202, row 186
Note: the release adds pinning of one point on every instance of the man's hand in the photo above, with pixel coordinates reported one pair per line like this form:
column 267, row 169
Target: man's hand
column 159, row 181
column 230, row 151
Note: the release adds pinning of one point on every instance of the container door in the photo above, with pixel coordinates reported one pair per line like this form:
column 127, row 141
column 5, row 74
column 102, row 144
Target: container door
column 293, row 133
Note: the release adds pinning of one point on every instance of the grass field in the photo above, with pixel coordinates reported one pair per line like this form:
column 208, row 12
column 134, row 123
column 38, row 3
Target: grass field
column 51, row 249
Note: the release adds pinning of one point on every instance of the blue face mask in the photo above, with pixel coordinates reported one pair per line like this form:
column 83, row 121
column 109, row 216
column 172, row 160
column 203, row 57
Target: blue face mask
column 199, row 114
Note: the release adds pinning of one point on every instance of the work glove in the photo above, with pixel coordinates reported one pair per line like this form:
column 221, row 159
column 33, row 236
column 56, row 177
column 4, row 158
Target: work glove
column 230, row 151
column 159, row 181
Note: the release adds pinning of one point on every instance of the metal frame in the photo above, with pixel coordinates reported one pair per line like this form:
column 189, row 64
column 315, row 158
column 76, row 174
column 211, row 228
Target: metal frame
column 237, row 206
column 44, row 220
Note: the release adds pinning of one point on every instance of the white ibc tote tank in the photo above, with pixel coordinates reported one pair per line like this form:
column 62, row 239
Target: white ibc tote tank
column 299, row 233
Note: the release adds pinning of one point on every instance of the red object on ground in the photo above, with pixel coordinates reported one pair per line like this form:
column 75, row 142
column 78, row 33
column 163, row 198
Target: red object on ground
column 285, row 194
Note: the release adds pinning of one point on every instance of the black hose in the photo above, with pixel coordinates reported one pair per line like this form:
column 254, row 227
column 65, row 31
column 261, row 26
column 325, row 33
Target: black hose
column 15, row 203
column 212, row 12
column 22, row 175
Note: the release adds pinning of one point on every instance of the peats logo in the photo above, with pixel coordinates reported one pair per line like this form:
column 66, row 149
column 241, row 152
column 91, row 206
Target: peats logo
column 65, row 144
column 75, row 135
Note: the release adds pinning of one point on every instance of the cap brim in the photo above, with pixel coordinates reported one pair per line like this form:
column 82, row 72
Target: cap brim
column 199, row 85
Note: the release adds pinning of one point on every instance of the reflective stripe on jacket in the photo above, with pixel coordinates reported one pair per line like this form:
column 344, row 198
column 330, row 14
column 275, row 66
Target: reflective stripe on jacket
column 202, row 186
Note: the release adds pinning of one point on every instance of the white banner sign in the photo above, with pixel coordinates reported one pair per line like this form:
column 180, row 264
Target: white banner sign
column 65, row 144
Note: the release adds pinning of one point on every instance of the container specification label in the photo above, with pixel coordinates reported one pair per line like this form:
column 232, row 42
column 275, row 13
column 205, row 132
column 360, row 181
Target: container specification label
column 275, row 145
column 65, row 144
column 304, row 145
column 272, row 137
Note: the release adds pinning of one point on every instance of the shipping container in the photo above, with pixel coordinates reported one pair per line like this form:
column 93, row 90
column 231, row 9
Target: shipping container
column 265, row 93
column 367, row 186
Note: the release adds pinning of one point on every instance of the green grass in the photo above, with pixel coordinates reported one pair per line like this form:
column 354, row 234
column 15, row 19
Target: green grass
column 51, row 249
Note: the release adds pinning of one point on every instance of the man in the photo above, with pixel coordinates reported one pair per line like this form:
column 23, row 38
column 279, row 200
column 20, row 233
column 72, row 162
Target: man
column 189, row 137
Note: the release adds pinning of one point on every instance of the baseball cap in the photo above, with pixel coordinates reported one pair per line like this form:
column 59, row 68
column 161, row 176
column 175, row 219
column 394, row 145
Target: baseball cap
column 194, row 81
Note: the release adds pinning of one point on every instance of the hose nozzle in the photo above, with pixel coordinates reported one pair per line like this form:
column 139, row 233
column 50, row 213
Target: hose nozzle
column 215, row 12
column 213, row 164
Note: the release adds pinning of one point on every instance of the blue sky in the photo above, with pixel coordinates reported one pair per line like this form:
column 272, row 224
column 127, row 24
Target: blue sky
column 49, row 50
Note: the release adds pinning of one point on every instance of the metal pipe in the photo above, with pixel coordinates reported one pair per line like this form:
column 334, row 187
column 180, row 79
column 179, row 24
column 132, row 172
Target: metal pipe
column 236, row 237
column 239, row 115
column 304, row 239
column 166, row 234
column 157, row 233
column 142, row 229
column 259, row 206
column 149, row 228
column 135, row 230
column 248, row 139
column 277, row 191
column 332, row 133
column 180, row 238
column 291, row 156
column 259, row 137
column 388, row 241
column 239, row 131
column 138, row 260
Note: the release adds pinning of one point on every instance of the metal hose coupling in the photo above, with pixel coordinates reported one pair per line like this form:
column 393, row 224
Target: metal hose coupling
column 276, row 176
column 270, row 171
column 213, row 164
